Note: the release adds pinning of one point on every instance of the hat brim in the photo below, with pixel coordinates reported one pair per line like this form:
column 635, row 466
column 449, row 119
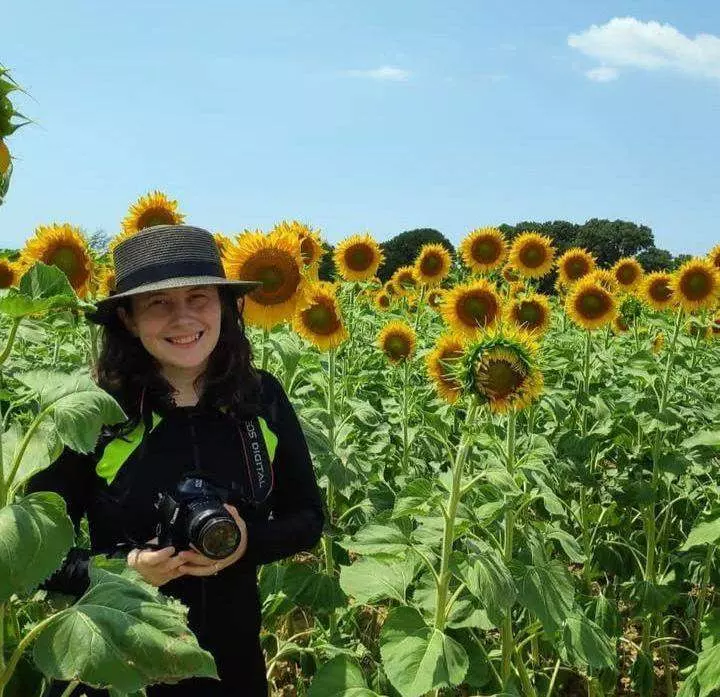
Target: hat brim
column 106, row 307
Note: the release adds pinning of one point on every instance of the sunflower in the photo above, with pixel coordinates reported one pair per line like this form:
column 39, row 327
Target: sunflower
column 9, row 273
column 155, row 208
column 357, row 258
column 695, row 328
column 405, row 280
column 628, row 273
column 714, row 329
column 106, row 281
column 4, row 158
column 575, row 264
column 483, row 249
column 657, row 343
column 501, row 369
column 223, row 242
column 510, row 274
column 397, row 341
column 311, row 248
column 318, row 318
column 435, row 298
column 471, row 307
column 389, row 288
column 382, row 300
column 531, row 313
column 515, row 288
column 64, row 246
column 655, row 290
column 714, row 256
column 532, row 254
column 590, row 305
column 275, row 260
column 620, row 325
column 433, row 264
column 605, row 278
column 696, row 285
column 447, row 352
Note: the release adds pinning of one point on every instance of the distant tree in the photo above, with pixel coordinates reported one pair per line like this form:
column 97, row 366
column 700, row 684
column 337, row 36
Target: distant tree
column 403, row 249
column 655, row 259
column 680, row 259
column 99, row 241
column 610, row 240
column 327, row 272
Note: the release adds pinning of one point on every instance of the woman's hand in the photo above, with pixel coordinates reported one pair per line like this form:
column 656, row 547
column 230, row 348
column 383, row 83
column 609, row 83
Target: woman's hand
column 196, row 564
column 156, row 567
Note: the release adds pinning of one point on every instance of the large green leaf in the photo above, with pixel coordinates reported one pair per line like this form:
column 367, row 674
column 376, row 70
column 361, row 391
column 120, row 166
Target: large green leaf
column 490, row 581
column 43, row 447
column 41, row 288
column 312, row 589
column 35, row 535
column 708, row 670
column 586, row 644
column 124, row 634
column 377, row 539
column 547, row 590
column 340, row 677
column 79, row 407
column 418, row 658
column 707, row 439
column 368, row 580
column 707, row 533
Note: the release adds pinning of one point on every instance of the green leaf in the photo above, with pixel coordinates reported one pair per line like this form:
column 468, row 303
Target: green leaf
column 310, row 589
column 642, row 675
column 377, row 539
column 78, row 406
column 417, row 658
column 586, row 643
column 708, row 439
column 43, row 281
column 547, row 590
column 44, row 446
column 489, row 580
column 707, row 533
column 340, row 677
column 369, row 580
column 35, row 535
column 569, row 545
column 121, row 633
column 708, row 670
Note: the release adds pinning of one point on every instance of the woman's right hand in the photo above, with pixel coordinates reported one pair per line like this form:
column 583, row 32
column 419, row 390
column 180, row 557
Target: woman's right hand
column 156, row 567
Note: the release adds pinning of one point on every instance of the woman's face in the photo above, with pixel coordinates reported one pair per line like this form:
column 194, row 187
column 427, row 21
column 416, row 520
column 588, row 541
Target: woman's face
column 179, row 327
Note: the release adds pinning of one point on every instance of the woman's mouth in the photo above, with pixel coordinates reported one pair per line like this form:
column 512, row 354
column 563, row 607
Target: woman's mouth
column 185, row 340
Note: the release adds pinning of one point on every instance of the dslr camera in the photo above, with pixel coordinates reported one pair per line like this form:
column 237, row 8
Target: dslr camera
column 192, row 515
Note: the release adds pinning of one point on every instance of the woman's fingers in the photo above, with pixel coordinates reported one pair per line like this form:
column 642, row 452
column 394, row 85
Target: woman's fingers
column 192, row 557
column 195, row 570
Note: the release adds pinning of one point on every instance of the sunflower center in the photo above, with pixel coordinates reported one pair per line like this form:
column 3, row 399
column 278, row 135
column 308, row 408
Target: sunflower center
column 576, row 268
column 397, row 347
column 431, row 264
column 592, row 304
column 306, row 250
column 626, row 274
column 660, row 290
column 6, row 275
column 696, row 285
column 321, row 319
column 477, row 309
column 406, row 280
column 498, row 378
column 384, row 301
column 155, row 216
column 529, row 313
column 359, row 257
column 65, row 259
column 486, row 251
column 533, row 255
column 279, row 274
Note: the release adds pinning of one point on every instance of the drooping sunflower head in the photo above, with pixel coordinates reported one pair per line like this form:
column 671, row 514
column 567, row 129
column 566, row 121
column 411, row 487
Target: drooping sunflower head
column 64, row 246
column 656, row 290
column 471, row 307
column 532, row 254
column 483, row 249
column 311, row 248
column 389, row 288
column 397, row 341
column 317, row 317
column 620, row 324
column 605, row 278
column 714, row 256
column 575, row 264
column 9, row 273
column 531, row 313
column 696, row 285
column 501, row 368
column 433, row 264
column 155, row 208
column 442, row 363
column 275, row 260
column 435, row 298
column 657, row 343
column 106, row 281
column 628, row 273
column 357, row 258
column 405, row 280
column 590, row 305
column 382, row 300
column 695, row 328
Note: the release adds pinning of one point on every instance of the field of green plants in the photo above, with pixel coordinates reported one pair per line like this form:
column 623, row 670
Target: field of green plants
column 521, row 490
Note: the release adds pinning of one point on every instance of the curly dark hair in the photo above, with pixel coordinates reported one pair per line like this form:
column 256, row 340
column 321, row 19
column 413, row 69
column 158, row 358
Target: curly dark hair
column 231, row 380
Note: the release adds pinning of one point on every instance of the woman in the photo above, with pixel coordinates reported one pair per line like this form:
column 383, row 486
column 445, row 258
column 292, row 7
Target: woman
column 176, row 357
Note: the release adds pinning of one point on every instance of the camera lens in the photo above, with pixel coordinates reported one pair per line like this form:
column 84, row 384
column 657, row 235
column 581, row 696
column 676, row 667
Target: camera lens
column 218, row 538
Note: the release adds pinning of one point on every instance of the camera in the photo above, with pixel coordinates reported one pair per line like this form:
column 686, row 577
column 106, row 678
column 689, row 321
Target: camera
column 193, row 515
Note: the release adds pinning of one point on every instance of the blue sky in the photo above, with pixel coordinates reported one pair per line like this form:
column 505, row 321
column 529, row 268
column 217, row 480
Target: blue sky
column 369, row 116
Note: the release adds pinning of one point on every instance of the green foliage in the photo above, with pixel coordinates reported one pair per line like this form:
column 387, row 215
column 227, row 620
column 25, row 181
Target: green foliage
column 403, row 249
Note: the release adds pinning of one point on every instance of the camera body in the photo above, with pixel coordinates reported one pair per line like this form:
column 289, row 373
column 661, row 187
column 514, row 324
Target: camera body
column 192, row 516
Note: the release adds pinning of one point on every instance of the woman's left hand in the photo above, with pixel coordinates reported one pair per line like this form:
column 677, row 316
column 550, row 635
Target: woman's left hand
column 197, row 564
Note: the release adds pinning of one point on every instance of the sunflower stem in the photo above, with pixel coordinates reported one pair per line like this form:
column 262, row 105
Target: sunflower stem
column 587, row 567
column 327, row 540
column 702, row 596
column 507, row 630
column 10, row 340
column 419, row 307
column 264, row 353
column 406, row 445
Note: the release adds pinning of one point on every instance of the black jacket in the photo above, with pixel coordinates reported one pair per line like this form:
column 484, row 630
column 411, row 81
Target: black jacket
column 224, row 610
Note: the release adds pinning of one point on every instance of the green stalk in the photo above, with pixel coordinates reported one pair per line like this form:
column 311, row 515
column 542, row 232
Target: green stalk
column 406, row 444
column 702, row 596
column 70, row 688
column 2, row 641
column 10, row 340
column 265, row 354
column 419, row 306
column 508, row 641
column 21, row 451
column 327, row 541
column 587, row 567
column 443, row 581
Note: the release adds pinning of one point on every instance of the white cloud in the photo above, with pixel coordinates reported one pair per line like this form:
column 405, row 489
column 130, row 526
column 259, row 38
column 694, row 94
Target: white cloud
column 386, row 72
column 602, row 74
column 626, row 42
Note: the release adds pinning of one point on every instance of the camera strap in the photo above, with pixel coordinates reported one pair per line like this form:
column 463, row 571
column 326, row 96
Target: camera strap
column 257, row 439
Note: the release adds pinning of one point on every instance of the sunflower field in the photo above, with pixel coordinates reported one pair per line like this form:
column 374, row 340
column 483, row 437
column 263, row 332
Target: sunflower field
column 521, row 490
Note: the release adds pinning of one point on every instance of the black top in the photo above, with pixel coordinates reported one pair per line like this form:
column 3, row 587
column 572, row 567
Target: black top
column 224, row 609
